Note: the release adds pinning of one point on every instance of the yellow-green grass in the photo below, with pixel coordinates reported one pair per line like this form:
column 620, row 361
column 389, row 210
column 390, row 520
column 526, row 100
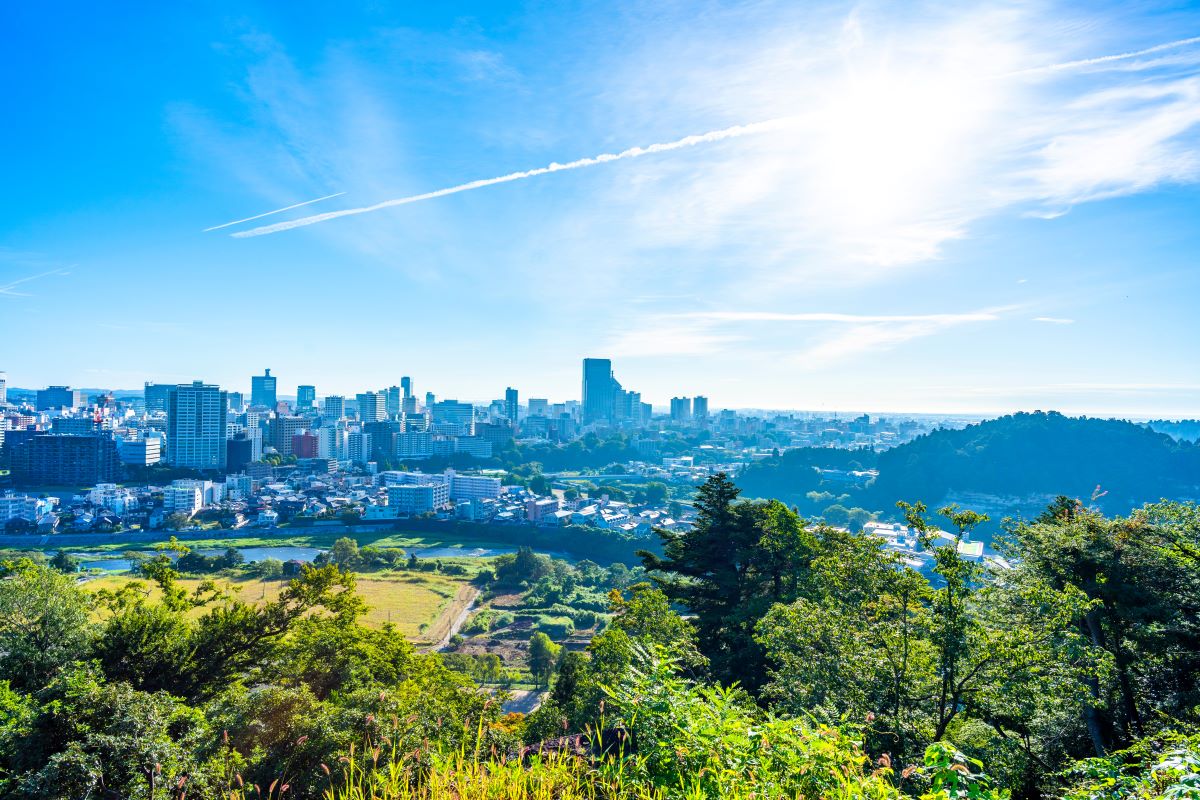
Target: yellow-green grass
column 412, row 601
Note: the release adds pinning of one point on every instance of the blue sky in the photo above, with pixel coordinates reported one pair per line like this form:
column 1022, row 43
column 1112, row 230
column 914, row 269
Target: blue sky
column 955, row 208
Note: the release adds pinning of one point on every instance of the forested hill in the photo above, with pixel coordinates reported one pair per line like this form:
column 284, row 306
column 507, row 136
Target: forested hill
column 1021, row 455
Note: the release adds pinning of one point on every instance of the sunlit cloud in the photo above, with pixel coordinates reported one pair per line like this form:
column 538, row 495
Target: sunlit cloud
column 1054, row 320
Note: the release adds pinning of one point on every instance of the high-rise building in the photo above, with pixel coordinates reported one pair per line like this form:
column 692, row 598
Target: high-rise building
column 262, row 390
column 283, row 429
column 335, row 407
column 236, row 401
column 392, row 401
column 372, row 406
column 429, row 399
column 406, row 385
column 3, row 388
column 155, row 395
column 538, row 407
column 700, row 408
column 196, row 414
column 599, row 389
column 306, row 396
column 511, row 405
column 304, row 445
column 681, row 409
column 59, row 397
column 64, row 459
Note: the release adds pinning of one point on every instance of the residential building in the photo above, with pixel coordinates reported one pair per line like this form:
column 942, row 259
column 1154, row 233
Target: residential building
column 283, row 428
column 196, row 415
column 391, row 403
column 155, row 395
column 358, row 447
column 335, row 407
column 681, row 409
column 304, row 445
column 141, row 452
column 262, row 390
column 372, row 406
column 63, row 459
column 182, row 500
column 472, row 487
column 18, row 506
column 422, row 498
column 700, row 408
column 3, row 388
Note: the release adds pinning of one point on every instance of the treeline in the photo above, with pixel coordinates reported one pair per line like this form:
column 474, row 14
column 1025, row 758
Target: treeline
column 577, row 541
column 811, row 662
column 1115, row 464
column 1088, row 644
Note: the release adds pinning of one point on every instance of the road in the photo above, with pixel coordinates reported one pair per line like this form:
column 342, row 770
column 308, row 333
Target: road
column 459, row 609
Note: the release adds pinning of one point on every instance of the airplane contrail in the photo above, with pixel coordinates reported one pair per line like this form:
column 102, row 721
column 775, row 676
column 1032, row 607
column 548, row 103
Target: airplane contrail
column 1087, row 62
column 604, row 158
column 633, row 152
column 269, row 213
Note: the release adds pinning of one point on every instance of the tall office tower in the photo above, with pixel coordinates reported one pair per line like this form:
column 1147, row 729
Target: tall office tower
column 538, row 407
column 236, row 401
column 406, row 385
column 429, row 399
column 408, row 405
column 156, row 396
column 262, row 390
column 681, row 409
column 392, row 401
column 599, row 390
column 196, row 426
column 306, row 396
column 335, row 407
column 371, row 406
column 700, row 408
column 283, row 428
column 511, row 405
column 58, row 397
column 3, row 388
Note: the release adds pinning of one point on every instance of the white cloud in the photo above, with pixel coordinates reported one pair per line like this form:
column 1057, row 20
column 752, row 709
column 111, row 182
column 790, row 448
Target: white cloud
column 1054, row 320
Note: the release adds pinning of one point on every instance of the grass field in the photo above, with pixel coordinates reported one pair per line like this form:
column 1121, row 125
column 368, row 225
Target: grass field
column 413, row 601
column 317, row 538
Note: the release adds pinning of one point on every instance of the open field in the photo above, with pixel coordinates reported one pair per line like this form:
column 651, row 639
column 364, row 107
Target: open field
column 293, row 537
column 415, row 602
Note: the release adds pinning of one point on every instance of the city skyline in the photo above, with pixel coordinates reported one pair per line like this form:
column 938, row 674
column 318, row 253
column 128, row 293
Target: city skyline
column 828, row 207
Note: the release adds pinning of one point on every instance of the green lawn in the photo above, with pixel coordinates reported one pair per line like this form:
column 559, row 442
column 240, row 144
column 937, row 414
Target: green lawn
column 412, row 601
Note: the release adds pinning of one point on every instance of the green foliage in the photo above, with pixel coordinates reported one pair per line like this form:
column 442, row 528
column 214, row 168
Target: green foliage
column 43, row 623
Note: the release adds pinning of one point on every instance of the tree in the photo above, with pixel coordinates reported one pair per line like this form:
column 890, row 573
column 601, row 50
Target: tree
column 269, row 569
column 65, row 562
column 543, row 654
column 344, row 553
column 656, row 493
column 43, row 623
column 176, row 521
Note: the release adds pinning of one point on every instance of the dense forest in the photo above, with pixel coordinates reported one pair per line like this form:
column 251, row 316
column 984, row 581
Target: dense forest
column 1018, row 458
column 767, row 657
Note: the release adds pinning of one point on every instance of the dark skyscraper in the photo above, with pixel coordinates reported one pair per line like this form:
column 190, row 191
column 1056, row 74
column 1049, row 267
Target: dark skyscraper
column 406, row 384
column 511, row 405
column 156, row 397
column 262, row 390
column 599, row 389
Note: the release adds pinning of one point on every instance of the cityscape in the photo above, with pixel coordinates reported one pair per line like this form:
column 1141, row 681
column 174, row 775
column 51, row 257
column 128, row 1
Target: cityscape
column 522, row 400
column 192, row 456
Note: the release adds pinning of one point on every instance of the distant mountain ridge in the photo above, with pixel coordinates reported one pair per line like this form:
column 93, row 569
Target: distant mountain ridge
column 1013, row 461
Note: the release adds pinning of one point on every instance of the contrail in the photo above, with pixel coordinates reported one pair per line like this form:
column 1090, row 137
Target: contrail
column 604, row 158
column 1088, row 62
column 269, row 213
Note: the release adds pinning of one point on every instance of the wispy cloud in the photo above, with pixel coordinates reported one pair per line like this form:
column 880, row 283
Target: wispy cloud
column 1082, row 63
column 9, row 289
column 1054, row 320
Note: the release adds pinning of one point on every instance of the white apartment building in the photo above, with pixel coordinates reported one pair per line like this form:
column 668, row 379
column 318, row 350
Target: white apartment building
column 418, row 498
column 23, row 507
column 182, row 500
column 116, row 499
column 473, row 487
